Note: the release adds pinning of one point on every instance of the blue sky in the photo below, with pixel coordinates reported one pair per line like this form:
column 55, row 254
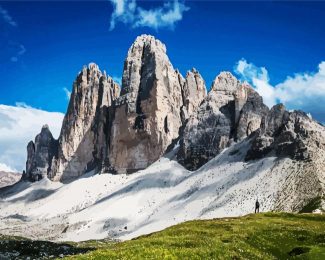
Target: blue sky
column 278, row 47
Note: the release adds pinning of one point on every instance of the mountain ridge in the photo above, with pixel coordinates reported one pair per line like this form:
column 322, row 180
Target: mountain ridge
column 192, row 155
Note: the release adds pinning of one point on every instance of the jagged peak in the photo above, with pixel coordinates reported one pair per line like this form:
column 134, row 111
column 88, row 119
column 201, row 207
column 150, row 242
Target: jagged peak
column 279, row 106
column 225, row 81
column 93, row 66
column 193, row 71
column 46, row 130
column 46, row 126
column 147, row 40
column 93, row 70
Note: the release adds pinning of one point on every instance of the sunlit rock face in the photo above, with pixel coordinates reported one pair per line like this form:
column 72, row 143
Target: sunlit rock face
column 148, row 112
column 193, row 93
column 158, row 107
column 84, row 138
column 111, row 133
column 231, row 111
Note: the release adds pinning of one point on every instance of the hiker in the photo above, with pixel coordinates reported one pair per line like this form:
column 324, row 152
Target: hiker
column 257, row 206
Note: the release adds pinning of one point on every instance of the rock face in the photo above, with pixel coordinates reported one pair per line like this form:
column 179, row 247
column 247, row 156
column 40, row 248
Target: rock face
column 193, row 93
column 111, row 133
column 108, row 132
column 287, row 134
column 295, row 136
column 84, row 137
column 231, row 111
column 148, row 112
column 40, row 155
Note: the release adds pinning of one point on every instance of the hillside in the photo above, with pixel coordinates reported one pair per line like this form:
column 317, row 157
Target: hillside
column 126, row 206
column 260, row 236
column 8, row 178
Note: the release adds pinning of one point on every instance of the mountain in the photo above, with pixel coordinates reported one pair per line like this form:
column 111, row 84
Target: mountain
column 122, row 131
column 193, row 154
column 8, row 178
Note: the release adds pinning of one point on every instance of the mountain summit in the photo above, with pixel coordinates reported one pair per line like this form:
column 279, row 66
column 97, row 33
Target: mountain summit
column 193, row 155
column 118, row 131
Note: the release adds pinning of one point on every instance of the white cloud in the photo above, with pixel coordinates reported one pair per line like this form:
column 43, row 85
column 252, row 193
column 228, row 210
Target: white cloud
column 304, row 91
column 67, row 93
column 128, row 12
column 18, row 125
column 6, row 17
column 6, row 168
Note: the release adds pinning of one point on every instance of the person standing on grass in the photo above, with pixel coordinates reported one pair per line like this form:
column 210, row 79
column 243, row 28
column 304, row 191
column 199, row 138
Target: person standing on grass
column 257, row 206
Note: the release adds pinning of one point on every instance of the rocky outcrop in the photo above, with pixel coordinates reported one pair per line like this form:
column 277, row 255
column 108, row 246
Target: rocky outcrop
column 250, row 111
column 84, row 137
column 148, row 112
column 231, row 111
column 108, row 132
column 193, row 93
column 40, row 155
column 287, row 134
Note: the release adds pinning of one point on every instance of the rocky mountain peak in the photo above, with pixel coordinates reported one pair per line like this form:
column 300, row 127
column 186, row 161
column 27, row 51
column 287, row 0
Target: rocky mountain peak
column 231, row 111
column 225, row 81
column 147, row 41
column 40, row 155
column 193, row 92
column 108, row 132
column 147, row 114
column 82, row 141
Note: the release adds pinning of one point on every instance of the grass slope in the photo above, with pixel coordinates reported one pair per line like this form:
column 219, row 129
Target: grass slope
column 260, row 236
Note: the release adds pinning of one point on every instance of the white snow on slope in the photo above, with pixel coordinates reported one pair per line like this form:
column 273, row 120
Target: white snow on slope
column 126, row 206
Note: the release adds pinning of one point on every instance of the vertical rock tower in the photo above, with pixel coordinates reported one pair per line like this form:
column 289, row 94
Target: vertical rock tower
column 122, row 134
column 147, row 114
column 40, row 155
column 84, row 137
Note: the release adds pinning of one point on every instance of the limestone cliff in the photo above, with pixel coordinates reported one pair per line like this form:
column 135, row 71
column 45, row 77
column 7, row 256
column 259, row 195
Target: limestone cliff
column 84, row 137
column 231, row 111
column 148, row 112
column 108, row 132
column 40, row 155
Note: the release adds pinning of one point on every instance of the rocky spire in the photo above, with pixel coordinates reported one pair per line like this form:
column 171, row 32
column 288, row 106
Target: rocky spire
column 83, row 138
column 193, row 92
column 157, row 107
column 147, row 115
column 40, row 155
column 232, row 110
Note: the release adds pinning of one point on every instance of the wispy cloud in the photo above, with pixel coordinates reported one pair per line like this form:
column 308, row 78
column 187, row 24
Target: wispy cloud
column 67, row 93
column 18, row 125
column 20, row 51
column 11, row 49
column 304, row 91
column 130, row 13
column 5, row 16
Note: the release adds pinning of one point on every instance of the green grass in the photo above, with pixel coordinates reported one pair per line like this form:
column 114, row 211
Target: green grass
column 260, row 236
